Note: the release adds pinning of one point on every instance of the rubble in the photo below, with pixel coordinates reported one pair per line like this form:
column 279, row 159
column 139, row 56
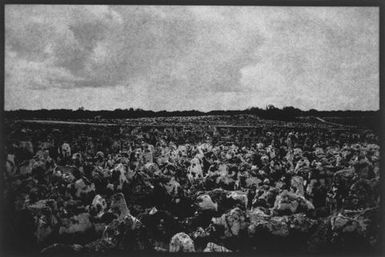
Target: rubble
column 181, row 242
column 179, row 190
column 214, row 248
column 76, row 224
column 289, row 203
column 233, row 222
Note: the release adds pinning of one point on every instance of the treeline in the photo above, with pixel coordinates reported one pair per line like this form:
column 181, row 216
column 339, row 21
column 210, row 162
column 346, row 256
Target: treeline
column 270, row 112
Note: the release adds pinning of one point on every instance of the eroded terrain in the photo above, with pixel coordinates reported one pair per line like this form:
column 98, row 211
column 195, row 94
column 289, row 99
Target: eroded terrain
column 213, row 184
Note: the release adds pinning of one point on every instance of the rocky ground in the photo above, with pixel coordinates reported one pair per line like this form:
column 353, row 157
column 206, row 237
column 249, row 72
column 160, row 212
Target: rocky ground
column 84, row 189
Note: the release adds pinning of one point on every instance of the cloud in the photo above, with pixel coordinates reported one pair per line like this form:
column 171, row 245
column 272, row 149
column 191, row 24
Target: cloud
column 312, row 61
column 191, row 57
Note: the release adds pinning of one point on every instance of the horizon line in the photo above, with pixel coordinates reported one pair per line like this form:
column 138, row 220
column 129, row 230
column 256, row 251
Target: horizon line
column 191, row 110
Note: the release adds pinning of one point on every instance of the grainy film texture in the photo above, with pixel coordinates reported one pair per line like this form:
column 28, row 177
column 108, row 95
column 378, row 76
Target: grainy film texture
column 191, row 129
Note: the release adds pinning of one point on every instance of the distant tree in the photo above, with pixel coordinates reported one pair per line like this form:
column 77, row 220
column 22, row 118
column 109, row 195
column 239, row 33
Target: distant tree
column 289, row 108
column 271, row 107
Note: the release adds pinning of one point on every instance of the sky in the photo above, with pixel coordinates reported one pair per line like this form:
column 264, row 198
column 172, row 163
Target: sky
column 191, row 57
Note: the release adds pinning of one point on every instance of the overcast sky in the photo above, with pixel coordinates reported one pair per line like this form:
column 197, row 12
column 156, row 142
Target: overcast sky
column 183, row 57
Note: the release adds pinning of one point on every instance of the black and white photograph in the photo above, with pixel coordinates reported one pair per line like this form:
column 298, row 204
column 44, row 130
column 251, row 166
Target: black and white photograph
column 191, row 128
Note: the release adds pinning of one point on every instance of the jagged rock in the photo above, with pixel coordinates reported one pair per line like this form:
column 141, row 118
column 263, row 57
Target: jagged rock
column 43, row 205
column 160, row 249
column 369, row 221
column 362, row 194
column 83, row 187
column 173, row 187
column 98, row 206
column 343, row 178
column 203, row 236
column 148, row 155
column 205, row 203
column 341, row 223
column 77, row 158
column 233, row 222
column 347, row 233
column 10, row 166
column 150, row 168
column 26, row 167
column 181, row 242
column 195, row 171
column 300, row 223
column 220, row 201
column 252, row 181
column 225, row 182
column 265, row 197
column 288, row 203
column 65, row 150
column 211, row 247
column 119, row 206
column 129, row 222
column 122, row 233
column 240, row 198
column 118, row 176
column 64, row 174
column 352, row 231
column 261, row 223
column 297, row 185
column 279, row 226
column 200, row 233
